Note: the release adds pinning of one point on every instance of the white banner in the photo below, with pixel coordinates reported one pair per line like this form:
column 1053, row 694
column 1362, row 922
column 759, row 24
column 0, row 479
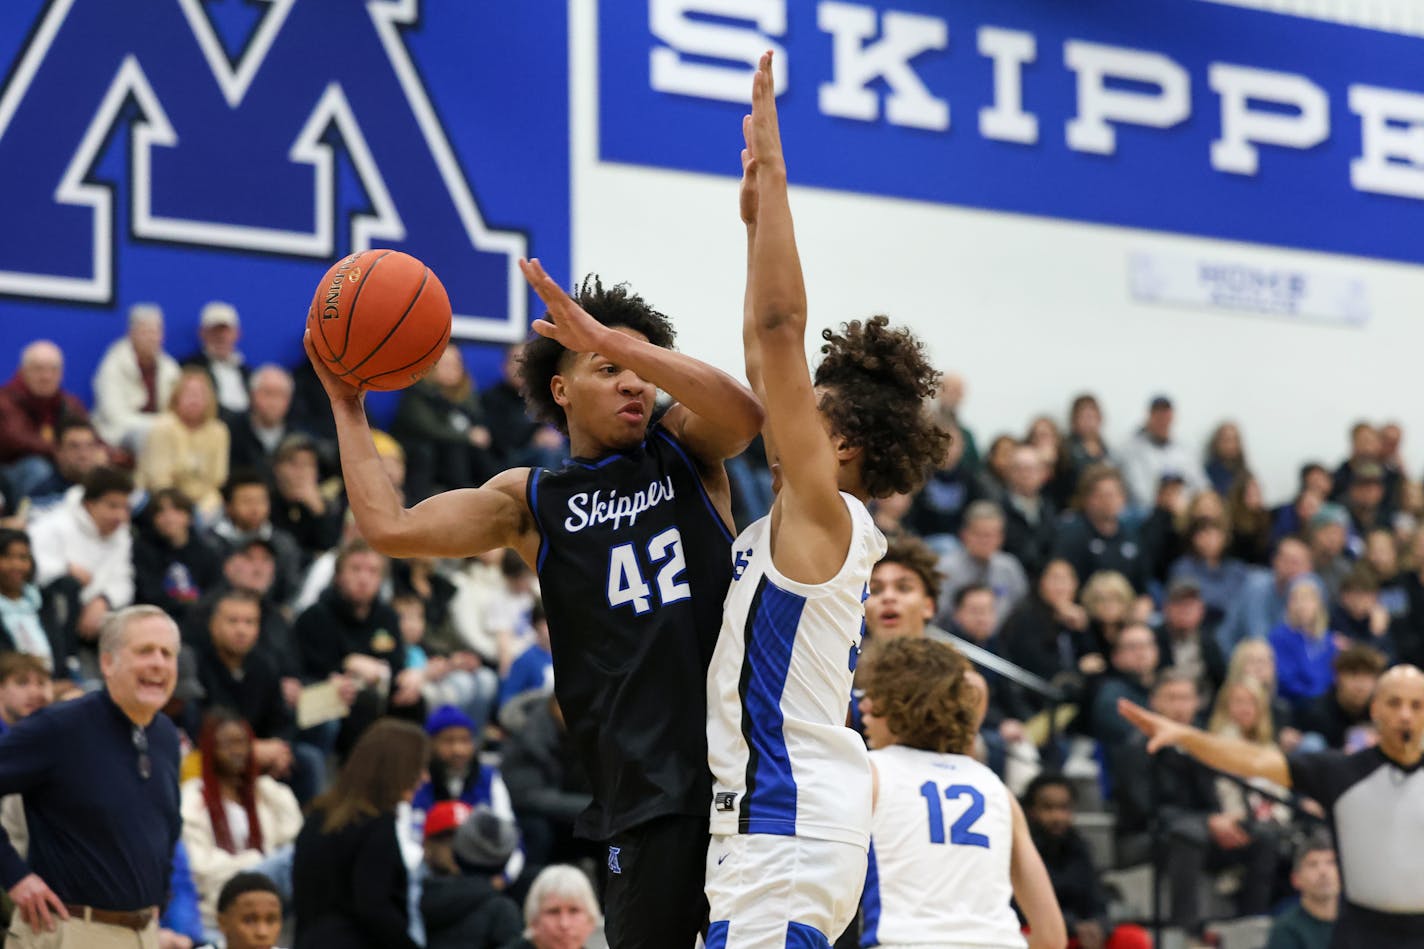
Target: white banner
column 1221, row 284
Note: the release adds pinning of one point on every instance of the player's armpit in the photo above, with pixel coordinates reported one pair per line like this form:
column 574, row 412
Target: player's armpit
column 813, row 534
column 465, row 522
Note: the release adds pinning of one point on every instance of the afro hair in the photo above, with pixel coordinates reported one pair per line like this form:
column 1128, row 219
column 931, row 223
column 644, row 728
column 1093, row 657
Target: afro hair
column 612, row 306
column 878, row 382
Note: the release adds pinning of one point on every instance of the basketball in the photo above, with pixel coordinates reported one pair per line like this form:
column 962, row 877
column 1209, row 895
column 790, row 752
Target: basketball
column 380, row 319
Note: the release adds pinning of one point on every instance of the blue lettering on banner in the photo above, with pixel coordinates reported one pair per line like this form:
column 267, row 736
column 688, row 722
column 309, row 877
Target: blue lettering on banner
column 1177, row 115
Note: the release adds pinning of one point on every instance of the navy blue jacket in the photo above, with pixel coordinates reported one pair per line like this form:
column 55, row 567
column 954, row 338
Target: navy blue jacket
column 101, row 834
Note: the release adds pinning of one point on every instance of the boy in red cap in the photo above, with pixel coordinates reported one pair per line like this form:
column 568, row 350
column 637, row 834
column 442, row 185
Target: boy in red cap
column 463, row 900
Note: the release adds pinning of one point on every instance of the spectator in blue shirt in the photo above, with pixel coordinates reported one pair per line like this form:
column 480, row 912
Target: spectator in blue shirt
column 1218, row 576
column 533, row 669
column 1261, row 604
column 1304, row 647
column 182, row 923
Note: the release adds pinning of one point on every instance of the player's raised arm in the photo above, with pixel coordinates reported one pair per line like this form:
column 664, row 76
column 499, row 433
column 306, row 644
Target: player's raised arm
column 774, row 331
column 1231, row 755
column 716, row 416
column 454, row 524
column 1033, row 890
column 751, row 346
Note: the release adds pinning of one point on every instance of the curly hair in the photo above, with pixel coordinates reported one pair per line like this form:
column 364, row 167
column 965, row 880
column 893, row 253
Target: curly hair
column 915, row 556
column 544, row 358
column 919, row 687
column 878, row 381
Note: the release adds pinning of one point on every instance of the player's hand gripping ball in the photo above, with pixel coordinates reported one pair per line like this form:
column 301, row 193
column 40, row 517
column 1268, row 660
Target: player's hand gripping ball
column 379, row 320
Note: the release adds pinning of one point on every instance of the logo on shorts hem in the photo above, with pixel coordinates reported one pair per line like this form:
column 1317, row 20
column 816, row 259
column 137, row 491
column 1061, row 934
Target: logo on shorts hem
column 613, row 865
column 725, row 801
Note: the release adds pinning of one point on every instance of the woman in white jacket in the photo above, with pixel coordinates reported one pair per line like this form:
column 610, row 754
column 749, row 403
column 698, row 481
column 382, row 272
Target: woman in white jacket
column 235, row 819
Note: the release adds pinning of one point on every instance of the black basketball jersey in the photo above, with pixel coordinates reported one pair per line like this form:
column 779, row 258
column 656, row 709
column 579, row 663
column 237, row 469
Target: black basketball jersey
column 634, row 563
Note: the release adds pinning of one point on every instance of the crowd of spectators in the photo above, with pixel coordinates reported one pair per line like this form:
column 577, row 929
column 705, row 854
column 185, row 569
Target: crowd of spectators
column 199, row 486
column 210, row 489
column 1156, row 573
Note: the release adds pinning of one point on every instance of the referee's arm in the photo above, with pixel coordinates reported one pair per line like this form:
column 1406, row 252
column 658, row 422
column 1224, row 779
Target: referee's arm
column 1231, row 755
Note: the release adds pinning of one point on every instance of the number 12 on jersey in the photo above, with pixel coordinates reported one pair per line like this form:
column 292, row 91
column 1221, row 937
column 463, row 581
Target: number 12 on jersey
column 625, row 575
column 962, row 831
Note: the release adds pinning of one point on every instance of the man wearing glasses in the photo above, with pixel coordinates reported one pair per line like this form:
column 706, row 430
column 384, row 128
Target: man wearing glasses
column 99, row 778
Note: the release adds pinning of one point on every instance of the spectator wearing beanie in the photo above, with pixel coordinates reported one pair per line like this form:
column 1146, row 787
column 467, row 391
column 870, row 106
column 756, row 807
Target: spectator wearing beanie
column 1329, row 539
column 464, row 906
column 456, row 774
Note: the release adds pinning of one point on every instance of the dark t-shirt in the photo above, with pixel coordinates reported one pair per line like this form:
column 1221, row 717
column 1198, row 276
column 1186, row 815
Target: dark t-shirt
column 330, row 630
column 1089, row 551
column 1297, row 929
column 634, row 562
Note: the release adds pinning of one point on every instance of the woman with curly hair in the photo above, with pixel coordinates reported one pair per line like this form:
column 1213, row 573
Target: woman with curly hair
column 791, row 790
column 977, row 854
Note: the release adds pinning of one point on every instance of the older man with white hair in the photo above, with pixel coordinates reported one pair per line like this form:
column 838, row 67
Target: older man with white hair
column 99, row 779
column 134, row 380
column 257, row 432
column 33, row 406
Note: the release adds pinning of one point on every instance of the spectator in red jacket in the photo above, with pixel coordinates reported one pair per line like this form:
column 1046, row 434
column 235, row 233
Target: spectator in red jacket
column 32, row 407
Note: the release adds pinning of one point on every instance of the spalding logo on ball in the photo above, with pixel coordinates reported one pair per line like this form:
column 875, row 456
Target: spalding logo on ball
column 380, row 319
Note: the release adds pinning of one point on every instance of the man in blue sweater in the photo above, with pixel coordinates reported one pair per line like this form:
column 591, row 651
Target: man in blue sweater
column 99, row 779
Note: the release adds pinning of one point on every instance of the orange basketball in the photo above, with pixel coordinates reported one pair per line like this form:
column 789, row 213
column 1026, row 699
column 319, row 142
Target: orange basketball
column 380, row 319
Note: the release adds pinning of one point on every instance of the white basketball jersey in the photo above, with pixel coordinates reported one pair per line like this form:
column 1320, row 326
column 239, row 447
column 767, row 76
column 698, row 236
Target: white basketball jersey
column 942, row 837
column 782, row 759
